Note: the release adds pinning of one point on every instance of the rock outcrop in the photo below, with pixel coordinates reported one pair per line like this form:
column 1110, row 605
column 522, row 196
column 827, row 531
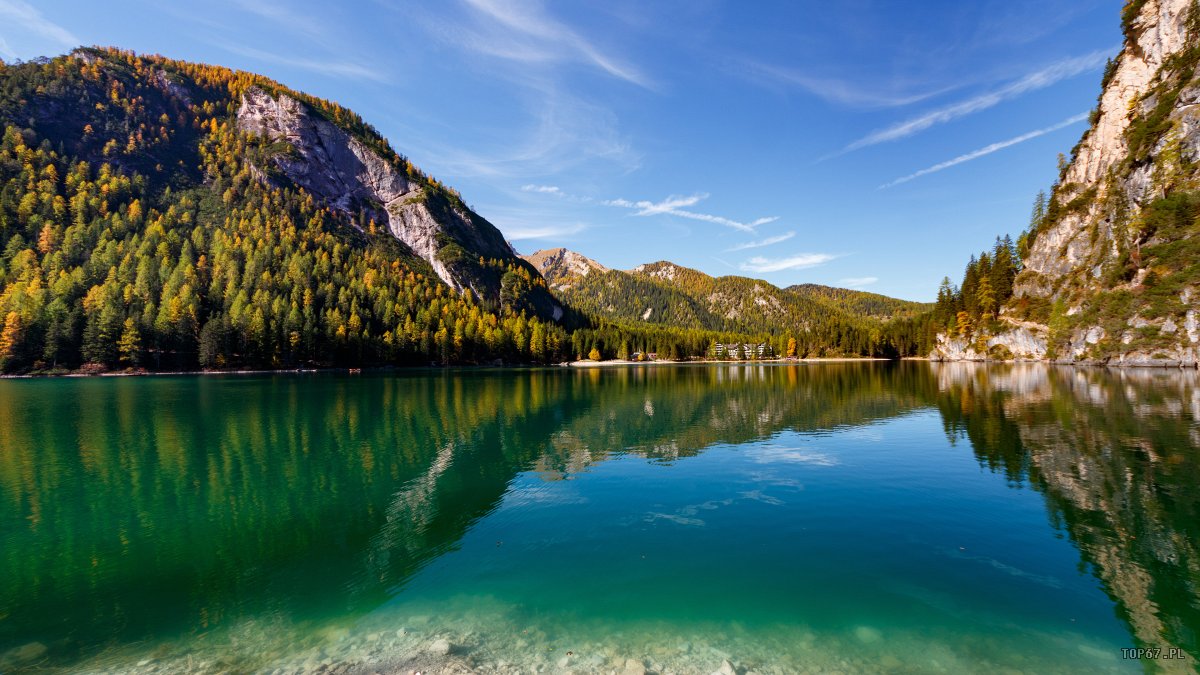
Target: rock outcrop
column 1021, row 344
column 1108, row 272
column 352, row 176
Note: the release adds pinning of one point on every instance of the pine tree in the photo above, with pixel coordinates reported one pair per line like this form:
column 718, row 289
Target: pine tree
column 985, row 299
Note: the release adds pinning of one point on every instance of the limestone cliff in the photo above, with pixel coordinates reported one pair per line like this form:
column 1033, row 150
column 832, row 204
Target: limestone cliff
column 352, row 176
column 1110, row 273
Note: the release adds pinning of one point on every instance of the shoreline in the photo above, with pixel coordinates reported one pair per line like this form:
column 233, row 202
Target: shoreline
column 610, row 363
column 620, row 362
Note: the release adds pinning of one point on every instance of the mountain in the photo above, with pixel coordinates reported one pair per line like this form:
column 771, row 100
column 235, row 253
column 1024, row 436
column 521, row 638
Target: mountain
column 824, row 320
column 1111, row 263
column 166, row 215
column 171, row 215
column 559, row 266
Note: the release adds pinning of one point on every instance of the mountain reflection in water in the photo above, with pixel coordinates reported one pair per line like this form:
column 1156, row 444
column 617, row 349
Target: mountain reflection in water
column 147, row 507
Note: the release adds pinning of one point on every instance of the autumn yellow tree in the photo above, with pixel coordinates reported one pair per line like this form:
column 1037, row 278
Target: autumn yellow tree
column 129, row 345
column 10, row 338
column 964, row 324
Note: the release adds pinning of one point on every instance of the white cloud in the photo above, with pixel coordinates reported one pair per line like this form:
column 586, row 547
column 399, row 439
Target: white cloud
column 17, row 14
column 1031, row 82
column 761, row 265
column 857, row 282
column 987, row 150
column 673, row 205
column 543, row 189
column 763, row 242
column 669, row 205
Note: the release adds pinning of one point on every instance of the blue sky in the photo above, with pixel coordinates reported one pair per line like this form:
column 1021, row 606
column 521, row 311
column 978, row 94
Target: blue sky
column 867, row 144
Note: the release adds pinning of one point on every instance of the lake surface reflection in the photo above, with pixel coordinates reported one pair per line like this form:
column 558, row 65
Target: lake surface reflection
column 860, row 517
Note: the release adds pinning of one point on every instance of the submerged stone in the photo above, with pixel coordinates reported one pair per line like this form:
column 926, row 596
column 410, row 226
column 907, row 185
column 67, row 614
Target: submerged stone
column 441, row 647
column 634, row 667
column 26, row 652
column 726, row 669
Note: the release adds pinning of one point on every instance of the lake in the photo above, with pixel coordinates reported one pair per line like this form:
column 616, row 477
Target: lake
column 812, row 517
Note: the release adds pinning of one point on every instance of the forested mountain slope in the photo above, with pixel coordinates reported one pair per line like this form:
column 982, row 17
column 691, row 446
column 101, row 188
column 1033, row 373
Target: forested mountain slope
column 170, row 214
column 860, row 303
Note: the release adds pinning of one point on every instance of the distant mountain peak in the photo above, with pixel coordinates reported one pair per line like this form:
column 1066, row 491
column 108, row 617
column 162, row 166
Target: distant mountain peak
column 665, row 270
column 561, row 266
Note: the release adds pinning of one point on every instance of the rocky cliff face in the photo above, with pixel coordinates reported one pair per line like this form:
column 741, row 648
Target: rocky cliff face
column 1109, row 274
column 351, row 176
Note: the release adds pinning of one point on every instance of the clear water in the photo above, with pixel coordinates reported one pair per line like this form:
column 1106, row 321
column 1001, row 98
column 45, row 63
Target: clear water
column 859, row 517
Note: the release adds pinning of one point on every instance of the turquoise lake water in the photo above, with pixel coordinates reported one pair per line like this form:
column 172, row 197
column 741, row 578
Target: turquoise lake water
column 849, row 517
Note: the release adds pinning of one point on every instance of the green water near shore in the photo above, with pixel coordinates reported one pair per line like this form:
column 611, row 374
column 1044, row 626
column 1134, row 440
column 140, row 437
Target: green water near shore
column 865, row 517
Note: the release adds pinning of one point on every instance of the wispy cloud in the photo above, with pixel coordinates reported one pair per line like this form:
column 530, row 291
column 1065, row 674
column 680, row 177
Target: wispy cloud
column 523, row 47
column 673, row 205
column 320, row 66
column 761, row 265
column 1032, row 82
column 547, row 232
column 763, row 242
column 986, row 150
column 552, row 40
column 566, row 131
column 857, row 282
column 543, row 189
column 18, row 14
column 835, row 90
column 290, row 18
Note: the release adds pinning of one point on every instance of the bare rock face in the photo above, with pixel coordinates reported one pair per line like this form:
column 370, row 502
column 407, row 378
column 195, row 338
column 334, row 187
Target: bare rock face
column 349, row 175
column 1161, row 31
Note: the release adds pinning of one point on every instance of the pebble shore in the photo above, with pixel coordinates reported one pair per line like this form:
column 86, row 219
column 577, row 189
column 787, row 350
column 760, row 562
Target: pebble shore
column 486, row 643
